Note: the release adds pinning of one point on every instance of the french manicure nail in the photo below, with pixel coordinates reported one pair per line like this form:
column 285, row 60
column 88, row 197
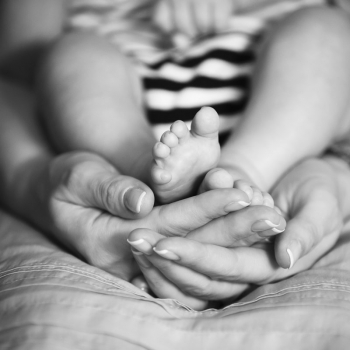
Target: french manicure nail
column 291, row 258
column 277, row 230
column 133, row 198
column 294, row 251
column 166, row 254
column 262, row 225
column 142, row 246
column 233, row 206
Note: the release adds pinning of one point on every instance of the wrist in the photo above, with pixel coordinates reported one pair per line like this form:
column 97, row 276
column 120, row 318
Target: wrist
column 26, row 192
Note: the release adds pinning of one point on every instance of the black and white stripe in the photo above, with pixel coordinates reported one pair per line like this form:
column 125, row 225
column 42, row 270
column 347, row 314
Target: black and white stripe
column 215, row 72
column 181, row 79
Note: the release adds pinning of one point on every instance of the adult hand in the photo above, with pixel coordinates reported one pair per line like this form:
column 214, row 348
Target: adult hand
column 190, row 270
column 85, row 199
column 88, row 205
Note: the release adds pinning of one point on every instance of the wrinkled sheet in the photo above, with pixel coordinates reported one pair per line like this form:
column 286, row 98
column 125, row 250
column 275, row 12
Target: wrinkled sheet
column 52, row 300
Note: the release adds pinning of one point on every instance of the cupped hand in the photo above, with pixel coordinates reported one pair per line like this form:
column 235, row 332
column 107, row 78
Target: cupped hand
column 91, row 208
column 193, row 271
column 87, row 200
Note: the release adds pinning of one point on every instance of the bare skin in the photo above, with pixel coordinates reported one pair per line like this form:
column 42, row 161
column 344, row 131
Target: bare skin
column 183, row 157
column 90, row 202
column 315, row 198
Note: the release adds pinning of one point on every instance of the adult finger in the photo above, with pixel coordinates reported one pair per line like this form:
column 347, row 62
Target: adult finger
column 90, row 181
column 188, row 281
column 163, row 288
column 183, row 216
column 318, row 220
column 196, row 284
column 244, row 227
column 243, row 264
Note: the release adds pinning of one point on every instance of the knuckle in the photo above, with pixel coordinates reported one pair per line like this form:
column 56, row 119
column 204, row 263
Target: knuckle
column 230, row 274
column 72, row 176
column 202, row 290
column 310, row 237
column 108, row 191
column 75, row 171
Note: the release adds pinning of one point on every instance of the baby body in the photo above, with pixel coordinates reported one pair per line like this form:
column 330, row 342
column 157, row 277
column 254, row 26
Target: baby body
column 94, row 101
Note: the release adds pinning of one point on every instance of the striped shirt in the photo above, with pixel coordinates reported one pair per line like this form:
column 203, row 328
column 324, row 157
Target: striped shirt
column 180, row 76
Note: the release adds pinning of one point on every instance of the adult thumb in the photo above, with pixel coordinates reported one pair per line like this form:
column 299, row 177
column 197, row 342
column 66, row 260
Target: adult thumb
column 90, row 181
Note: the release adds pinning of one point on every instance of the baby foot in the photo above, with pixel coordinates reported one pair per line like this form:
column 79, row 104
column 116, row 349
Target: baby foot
column 183, row 156
column 220, row 178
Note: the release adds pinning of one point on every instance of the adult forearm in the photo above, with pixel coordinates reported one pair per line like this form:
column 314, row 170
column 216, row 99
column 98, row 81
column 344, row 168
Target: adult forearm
column 26, row 28
column 24, row 154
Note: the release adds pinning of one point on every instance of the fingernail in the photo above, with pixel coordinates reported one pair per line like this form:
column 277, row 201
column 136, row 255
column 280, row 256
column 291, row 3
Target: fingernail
column 133, row 198
column 140, row 283
column 291, row 258
column 142, row 246
column 277, row 230
column 143, row 261
column 293, row 251
column 166, row 254
column 262, row 225
column 233, row 206
column 136, row 252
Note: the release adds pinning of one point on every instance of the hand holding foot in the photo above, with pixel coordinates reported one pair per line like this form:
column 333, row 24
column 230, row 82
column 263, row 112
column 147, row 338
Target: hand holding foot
column 241, row 228
column 88, row 207
column 192, row 271
column 221, row 178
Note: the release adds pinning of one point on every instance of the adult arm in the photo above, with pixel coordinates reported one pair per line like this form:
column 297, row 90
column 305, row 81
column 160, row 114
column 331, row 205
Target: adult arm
column 26, row 28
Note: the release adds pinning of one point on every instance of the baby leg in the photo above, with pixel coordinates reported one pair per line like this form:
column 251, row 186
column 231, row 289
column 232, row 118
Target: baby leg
column 300, row 99
column 91, row 100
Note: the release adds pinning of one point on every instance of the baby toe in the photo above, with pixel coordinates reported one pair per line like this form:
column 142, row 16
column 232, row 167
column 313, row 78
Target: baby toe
column 215, row 179
column 267, row 199
column 205, row 123
column 244, row 186
column 161, row 150
column 179, row 128
column 169, row 139
column 258, row 198
column 160, row 176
